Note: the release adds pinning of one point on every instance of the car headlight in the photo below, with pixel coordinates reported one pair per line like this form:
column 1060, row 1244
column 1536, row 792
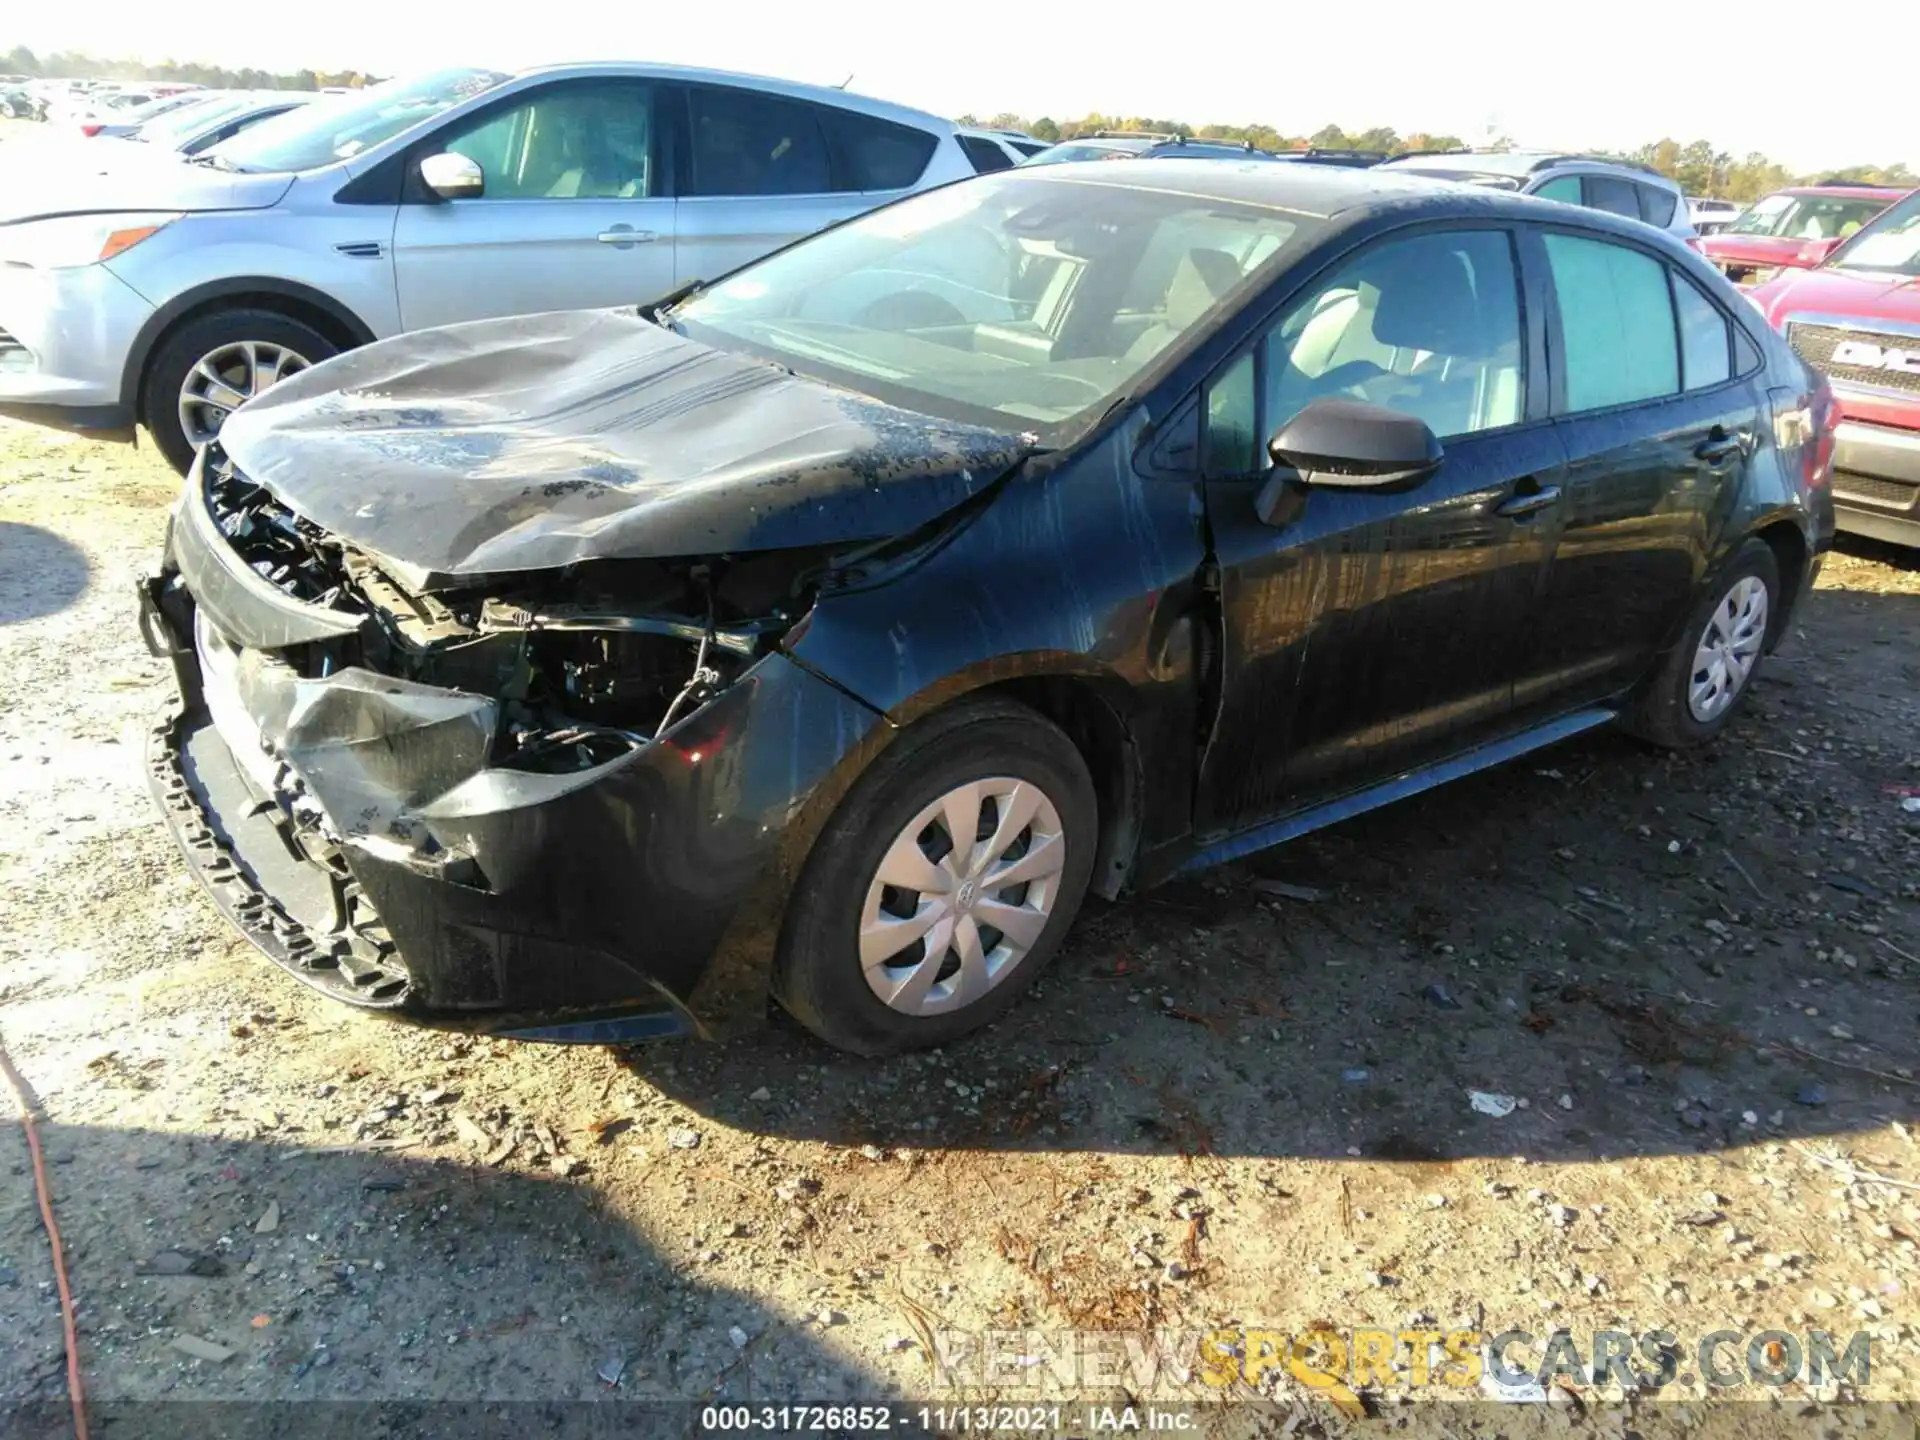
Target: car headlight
column 74, row 240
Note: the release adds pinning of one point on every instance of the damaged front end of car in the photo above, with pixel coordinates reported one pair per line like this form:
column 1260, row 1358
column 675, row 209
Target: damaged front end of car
column 539, row 801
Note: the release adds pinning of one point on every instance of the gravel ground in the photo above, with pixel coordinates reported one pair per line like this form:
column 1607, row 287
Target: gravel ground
column 1237, row 1102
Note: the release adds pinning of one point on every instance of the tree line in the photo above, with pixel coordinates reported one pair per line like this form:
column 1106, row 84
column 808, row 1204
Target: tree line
column 1701, row 168
column 72, row 65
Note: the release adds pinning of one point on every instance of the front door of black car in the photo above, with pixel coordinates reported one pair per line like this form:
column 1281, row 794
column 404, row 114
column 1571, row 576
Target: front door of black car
column 1659, row 430
column 1371, row 631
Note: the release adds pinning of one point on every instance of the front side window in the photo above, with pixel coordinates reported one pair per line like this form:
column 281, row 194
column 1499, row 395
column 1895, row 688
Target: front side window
column 338, row 127
column 1616, row 323
column 1429, row 326
column 747, row 143
column 573, row 142
column 1011, row 298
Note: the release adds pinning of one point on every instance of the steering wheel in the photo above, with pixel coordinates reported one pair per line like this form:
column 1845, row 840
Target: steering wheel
column 909, row 310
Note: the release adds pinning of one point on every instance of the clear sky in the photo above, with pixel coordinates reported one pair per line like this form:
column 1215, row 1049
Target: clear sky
column 1811, row 88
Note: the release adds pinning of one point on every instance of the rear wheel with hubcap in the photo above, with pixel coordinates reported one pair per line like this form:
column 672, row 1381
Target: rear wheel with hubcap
column 208, row 368
column 942, row 884
column 1705, row 678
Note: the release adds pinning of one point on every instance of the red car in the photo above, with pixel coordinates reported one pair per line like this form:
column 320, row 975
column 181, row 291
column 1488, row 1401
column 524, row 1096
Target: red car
column 1794, row 229
column 1856, row 318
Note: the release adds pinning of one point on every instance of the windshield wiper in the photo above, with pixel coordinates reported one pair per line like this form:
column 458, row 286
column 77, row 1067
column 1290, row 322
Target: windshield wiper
column 657, row 310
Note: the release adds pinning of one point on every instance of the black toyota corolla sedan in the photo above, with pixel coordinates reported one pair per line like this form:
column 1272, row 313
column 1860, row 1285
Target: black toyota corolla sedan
column 830, row 632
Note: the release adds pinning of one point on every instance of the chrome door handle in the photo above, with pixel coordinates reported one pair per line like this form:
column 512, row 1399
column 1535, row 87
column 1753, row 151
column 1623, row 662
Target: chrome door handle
column 625, row 235
column 1520, row 506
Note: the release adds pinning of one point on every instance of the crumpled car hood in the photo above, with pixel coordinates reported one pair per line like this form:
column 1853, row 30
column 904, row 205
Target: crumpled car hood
column 543, row 440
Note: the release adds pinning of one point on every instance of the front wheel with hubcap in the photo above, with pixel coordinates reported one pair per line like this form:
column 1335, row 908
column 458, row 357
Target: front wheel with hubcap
column 943, row 883
column 1705, row 678
column 208, row 368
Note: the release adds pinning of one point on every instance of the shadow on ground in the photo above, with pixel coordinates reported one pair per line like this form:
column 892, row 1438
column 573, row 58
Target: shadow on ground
column 40, row 573
column 1645, row 953
column 376, row 1279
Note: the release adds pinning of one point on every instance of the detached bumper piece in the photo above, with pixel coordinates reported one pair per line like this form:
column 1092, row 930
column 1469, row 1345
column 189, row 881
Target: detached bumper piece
column 336, row 943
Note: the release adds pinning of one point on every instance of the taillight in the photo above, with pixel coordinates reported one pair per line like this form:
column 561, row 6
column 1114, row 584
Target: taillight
column 92, row 128
column 1805, row 423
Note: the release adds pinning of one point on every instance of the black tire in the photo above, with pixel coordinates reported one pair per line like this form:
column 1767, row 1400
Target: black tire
column 1662, row 715
column 183, row 347
column 818, row 975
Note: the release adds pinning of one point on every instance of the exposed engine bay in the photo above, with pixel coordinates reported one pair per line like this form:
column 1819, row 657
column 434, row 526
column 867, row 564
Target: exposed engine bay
column 587, row 662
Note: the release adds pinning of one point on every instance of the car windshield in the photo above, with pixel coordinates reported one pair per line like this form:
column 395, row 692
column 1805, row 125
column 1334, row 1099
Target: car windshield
column 1012, row 297
column 177, row 125
column 1464, row 177
column 1067, row 152
column 1890, row 245
column 338, row 127
column 1806, row 217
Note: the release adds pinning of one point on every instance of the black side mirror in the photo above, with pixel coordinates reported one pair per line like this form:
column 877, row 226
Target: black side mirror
column 1345, row 445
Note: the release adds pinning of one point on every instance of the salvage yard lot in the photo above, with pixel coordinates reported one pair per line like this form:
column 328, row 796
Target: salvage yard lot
column 1231, row 1101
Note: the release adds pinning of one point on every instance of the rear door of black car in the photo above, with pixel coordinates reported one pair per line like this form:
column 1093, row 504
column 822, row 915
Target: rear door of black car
column 1371, row 631
column 1659, row 425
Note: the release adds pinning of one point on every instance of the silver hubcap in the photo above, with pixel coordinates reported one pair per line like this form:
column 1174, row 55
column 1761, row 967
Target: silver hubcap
column 1729, row 649
column 961, row 896
column 225, row 379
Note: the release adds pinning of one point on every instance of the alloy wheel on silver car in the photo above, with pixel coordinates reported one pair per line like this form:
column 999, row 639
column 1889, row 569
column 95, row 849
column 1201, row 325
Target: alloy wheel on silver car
column 223, row 380
column 961, row 895
column 1729, row 648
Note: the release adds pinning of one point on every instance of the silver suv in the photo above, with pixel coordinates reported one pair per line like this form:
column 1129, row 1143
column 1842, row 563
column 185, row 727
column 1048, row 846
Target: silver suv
column 1616, row 186
column 167, row 294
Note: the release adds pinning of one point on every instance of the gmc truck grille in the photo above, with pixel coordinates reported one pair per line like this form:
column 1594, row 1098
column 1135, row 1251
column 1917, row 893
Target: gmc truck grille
column 1815, row 344
column 1849, row 486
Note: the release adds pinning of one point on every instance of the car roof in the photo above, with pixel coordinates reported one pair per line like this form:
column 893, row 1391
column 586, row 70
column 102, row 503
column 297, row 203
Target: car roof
column 1326, row 191
column 1888, row 193
column 1519, row 163
column 793, row 89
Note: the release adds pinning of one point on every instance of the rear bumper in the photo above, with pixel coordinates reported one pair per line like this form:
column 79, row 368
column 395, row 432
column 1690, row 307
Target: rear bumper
column 639, row 899
column 1876, row 482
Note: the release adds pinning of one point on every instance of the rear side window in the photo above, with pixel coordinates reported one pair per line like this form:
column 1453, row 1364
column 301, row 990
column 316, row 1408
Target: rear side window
column 1614, row 195
column 875, row 154
column 985, row 156
column 1706, row 354
column 1657, row 205
column 1564, row 188
column 1616, row 323
column 745, row 143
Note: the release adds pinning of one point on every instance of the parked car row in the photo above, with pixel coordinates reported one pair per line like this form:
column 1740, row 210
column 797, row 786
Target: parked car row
column 169, row 297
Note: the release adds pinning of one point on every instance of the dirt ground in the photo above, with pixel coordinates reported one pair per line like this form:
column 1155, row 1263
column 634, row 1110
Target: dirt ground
column 1225, row 1107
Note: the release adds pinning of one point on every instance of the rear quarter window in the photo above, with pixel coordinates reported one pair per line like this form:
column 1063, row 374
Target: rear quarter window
column 1614, row 195
column 1657, row 205
column 875, row 154
column 984, row 155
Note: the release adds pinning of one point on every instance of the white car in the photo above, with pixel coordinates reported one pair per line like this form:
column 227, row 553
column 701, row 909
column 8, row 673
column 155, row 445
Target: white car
column 167, row 294
column 1710, row 217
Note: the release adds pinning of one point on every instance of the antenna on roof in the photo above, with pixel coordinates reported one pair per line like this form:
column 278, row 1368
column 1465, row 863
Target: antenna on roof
column 846, row 82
